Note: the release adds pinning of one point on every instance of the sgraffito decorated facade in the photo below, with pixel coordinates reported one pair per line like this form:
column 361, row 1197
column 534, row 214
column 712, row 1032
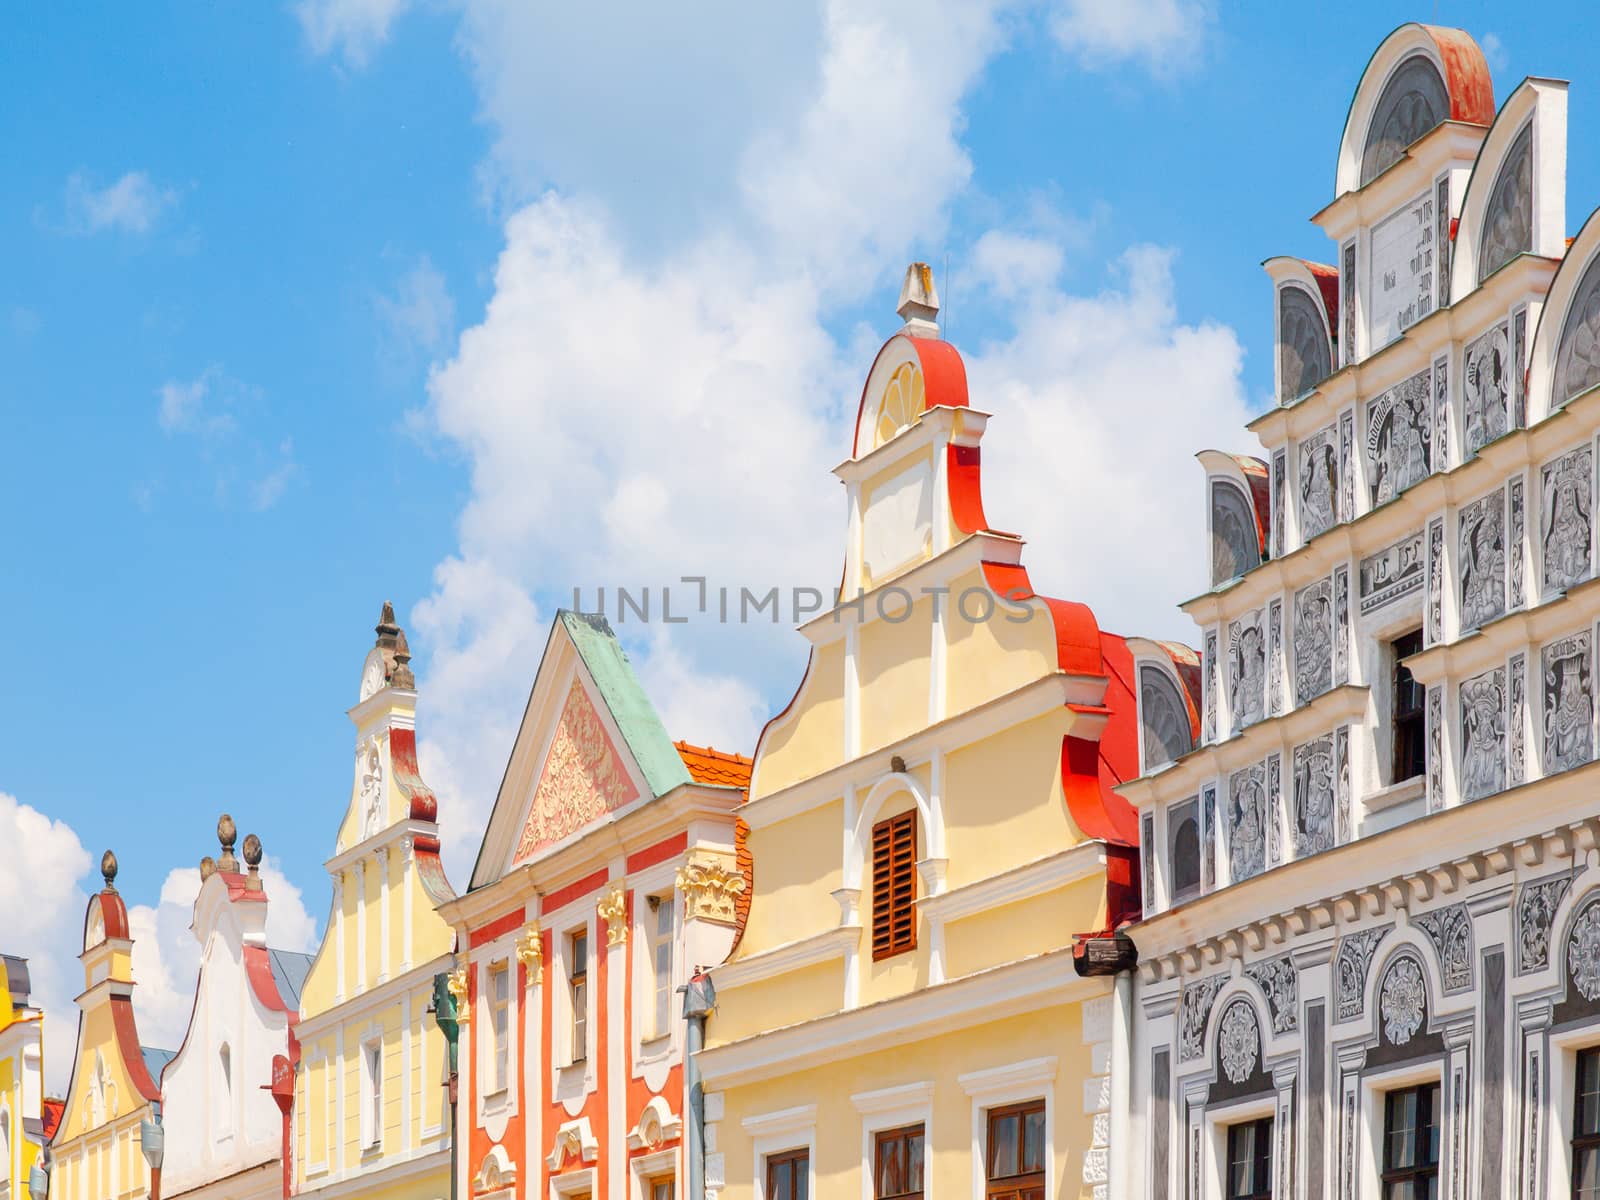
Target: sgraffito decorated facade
column 1370, row 960
column 932, row 820
column 22, row 1112
column 608, row 874
column 370, row 1107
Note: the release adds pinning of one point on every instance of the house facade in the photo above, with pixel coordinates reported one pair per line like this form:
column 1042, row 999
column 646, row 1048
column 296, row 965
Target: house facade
column 369, row 1099
column 22, row 1114
column 1370, row 958
column 225, row 1136
column 98, row 1150
column 911, row 1009
column 608, row 874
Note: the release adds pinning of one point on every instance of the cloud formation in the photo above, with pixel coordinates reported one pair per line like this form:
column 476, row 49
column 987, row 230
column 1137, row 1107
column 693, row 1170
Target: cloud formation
column 354, row 29
column 1166, row 37
column 132, row 204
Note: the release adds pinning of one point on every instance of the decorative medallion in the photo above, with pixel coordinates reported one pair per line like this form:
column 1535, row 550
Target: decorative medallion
column 1583, row 953
column 583, row 778
column 1392, row 573
column 1536, row 910
column 1483, row 734
column 1514, row 492
column 1403, row 1001
column 1487, row 388
column 1247, row 822
column 1247, row 670
column 1350, row 965
column 1435, row 630
column 1450, row 931
column 1317, row 459
column 1275, row 658
column 1566, row 508
column 1235, row 541
column 1239, row 1042
column 1279, row 983
column 1398, row 432
column 1568, row 703
column 1194, row 1010
column 1481, row 534
column 1313, row 641
column 1314, row 799
column 1516, row 756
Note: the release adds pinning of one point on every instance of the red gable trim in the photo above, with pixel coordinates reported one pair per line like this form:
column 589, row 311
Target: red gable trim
column 258, row 967
column 660, row 852
column 561, row 897
column 407, row 776
column 493, row 929
column 1466, row 75
column 128, row 1046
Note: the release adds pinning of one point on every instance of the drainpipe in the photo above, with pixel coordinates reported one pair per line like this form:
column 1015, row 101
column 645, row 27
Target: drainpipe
column 699, row 1002
column 443, row 1009
column 1121, row 1164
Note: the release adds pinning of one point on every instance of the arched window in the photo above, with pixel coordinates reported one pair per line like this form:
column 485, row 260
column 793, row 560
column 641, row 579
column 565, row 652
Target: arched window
column 1508, row 219
column 1413, row 102
column 1185, row 850
column 1304, row 359
column 1235, row 543
column 1578, row 356
column 1163, row 718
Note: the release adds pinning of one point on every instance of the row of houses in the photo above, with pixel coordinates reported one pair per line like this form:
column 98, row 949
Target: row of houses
column 1003, row 905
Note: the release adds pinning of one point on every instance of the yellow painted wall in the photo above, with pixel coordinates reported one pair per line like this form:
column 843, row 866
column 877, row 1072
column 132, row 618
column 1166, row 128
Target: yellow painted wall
column 809, row 737
column 1014, row 931
column 799, row 864
column 20, row 1033
column 782, row 1000
column 893, row 668
column 941, row 1061
column 990, row 658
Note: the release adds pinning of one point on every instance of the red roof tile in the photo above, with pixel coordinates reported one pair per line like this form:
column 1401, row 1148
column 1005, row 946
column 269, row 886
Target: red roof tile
column 707, row 765
column 52, row 1116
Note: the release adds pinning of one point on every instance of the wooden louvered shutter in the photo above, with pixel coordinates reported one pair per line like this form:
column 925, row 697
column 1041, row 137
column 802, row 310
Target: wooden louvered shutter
column 894, row 885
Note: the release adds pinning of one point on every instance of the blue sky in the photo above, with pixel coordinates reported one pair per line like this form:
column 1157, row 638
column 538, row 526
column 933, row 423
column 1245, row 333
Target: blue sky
column 308, row 307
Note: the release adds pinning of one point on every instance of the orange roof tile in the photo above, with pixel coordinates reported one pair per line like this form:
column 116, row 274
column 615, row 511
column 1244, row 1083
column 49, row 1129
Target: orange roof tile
column 53, row 1109
column 707, row 765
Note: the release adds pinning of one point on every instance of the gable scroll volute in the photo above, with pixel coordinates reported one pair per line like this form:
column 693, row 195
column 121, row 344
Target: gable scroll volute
column 711, row 883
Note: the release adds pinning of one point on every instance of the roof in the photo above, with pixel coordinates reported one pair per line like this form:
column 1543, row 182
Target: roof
column 630, row 708
column 289, row 971
column 53, row 1109
column 155, row 1061
column 709, row 765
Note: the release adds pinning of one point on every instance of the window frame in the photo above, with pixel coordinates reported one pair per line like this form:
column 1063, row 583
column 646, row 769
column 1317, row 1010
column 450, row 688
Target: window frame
column 1406, row 725
column 1391, row 1176
column 917, row 1130
column 577, row 977
column 372, row 1094
column 1270, row 1121
column 894, row 897
column 1580, row 1142
column 795, row 1160
column 1002, row 1187
column 655, row 939
column 774, row 1134
column 501, row 1008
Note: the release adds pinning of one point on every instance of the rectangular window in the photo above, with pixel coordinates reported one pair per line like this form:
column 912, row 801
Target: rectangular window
column 373, row 1053
column 1015, row 1167
column 660, row 929
column 897, row 1163
column 1250, row 1160
column 1586, row 1128
column 894, row 885
column 1411, row 1143
column 578, row 988
column 662, row 1189
column 499, row 1025
column 789, row 1175
column 1410, row 699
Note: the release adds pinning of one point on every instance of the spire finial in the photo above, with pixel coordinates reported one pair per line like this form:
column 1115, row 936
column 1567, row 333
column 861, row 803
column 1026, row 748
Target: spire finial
column 401, row 676
column 386, row 629
column 252, row 859
column 919, row 301
column 108, row 870
column 227, row 833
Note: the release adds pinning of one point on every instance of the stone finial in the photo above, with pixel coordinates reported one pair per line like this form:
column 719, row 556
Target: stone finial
column 252, row 860
column 919, row 301
column 401, row 676
column 227, row 833
column 387, row 630
column 208, row 868
column 108, row 870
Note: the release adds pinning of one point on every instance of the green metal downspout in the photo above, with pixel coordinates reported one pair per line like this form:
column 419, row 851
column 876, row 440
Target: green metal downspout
column 699, row 1002
column 444, row 1015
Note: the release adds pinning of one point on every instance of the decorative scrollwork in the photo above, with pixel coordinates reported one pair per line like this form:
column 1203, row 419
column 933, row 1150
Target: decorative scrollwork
column 1403, row 1001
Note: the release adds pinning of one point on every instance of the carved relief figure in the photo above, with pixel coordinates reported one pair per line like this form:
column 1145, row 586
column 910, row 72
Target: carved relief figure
column 1568, row 703
column 1209, row 715
column 1391, row 573
column 1435, row 628
column 1314, row 785
column 1488, row 388
column 1564, row 534
column 1508, row 221
column 1397, row 438
column 1441, row 414
column 1441, row 239
column 1313, row 641
column 1319, row 483
column 1341, row 624
column 1516, row 755
column 1519, row 371
column 1483, row 735
column 1435, row 725
column 1247, row 670
column 1275, row 658
column 1235, row 542
column 1341, row 783
column 1247, row 805
column 371, row 765
column 1163, row 716
column 1280, row 466
column 1347, row 474
column 1347, row 301
column 1274, row 810
column 1514, row 540
column 1483, row 560
column 1578, row 358
column 1450, row 931
column 1208, row 838
column 1350, row 966
column 1536, row 909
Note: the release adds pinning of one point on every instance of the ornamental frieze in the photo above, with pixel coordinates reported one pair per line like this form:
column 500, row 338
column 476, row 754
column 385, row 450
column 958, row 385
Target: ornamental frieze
column 1350, row 966
column 1450, row 931
column 1194, row 1010
column 1536, row 909
column 1279, row 983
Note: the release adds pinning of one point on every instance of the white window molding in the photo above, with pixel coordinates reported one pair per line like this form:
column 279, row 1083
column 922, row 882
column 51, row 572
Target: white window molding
column 1014, row 1083
column 1374, row 1088
column 644, row 1169
column 1558, row 1121
column 1214, row 1141
column 892, row 1108
column 578, row 1183
column 779, row 1133
column 655, row 1051
column 495, row 1108
column 574, row 1140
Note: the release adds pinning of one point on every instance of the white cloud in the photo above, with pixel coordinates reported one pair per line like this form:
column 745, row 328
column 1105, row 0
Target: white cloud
column 191, row 406
column 132, row 204
column 1494, row 51
column 354, row 28
column 1164, row 36
column 1012, row 265
column 420, row 313
column 269, row 489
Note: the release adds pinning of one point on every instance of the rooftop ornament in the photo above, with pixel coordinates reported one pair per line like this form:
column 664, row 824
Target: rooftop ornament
column 919, row 301
column 227, row 834
column 108, row 870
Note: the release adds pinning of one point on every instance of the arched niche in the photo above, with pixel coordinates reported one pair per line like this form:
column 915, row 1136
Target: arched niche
column 1305, row 341
column 1237, row 513
column 1564, row 358
column 1166, row 727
